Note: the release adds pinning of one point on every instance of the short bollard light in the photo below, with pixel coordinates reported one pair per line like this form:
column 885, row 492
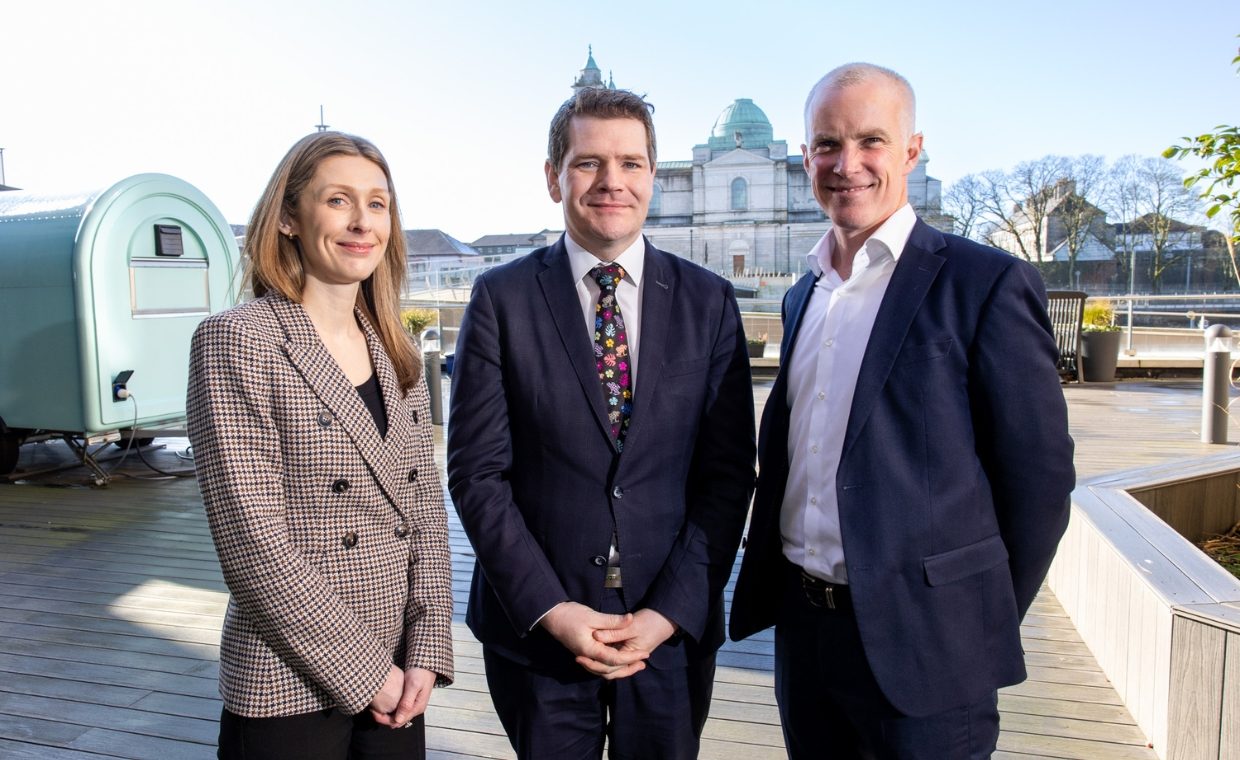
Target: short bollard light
column 434, row 373
column 1215, row 382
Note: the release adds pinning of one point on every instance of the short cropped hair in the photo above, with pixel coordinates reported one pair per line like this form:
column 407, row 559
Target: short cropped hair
column 855, row 73
column 601, row 103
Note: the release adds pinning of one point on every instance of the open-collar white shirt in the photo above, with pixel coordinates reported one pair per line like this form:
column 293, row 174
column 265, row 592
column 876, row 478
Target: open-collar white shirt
column 822, row 377
column 628, row 292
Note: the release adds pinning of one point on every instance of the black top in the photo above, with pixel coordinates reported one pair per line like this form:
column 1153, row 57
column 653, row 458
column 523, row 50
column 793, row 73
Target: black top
column 372, row 396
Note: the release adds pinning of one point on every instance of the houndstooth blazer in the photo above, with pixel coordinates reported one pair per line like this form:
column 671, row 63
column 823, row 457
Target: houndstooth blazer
column 332, row 540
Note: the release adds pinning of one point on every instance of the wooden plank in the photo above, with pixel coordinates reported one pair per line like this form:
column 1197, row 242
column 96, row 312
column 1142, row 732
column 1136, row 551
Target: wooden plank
column 1078, row 749
column 1195, row 700
column 128, row 720
column 1073, row 728
column 1229, row 738
column 88, row 677
column 13, row 750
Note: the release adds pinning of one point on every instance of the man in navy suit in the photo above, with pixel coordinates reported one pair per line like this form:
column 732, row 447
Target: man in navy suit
column 600, row 454
column 915, row 464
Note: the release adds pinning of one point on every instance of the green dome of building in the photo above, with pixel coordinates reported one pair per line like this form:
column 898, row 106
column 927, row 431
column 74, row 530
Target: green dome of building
column 745, row 119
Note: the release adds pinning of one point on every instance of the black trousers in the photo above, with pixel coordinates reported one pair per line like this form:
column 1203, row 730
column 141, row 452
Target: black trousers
column 832, row 708
column 320, row 735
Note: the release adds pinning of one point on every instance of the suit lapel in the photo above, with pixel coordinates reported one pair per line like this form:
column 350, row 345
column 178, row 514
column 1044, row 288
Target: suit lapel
column 914, row 273
column 658, row 290
column 560, row 292
column 795, row 304
column 324, row 377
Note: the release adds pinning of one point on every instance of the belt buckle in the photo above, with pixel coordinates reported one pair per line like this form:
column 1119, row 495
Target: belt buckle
column 613, row 579
column 817, row 591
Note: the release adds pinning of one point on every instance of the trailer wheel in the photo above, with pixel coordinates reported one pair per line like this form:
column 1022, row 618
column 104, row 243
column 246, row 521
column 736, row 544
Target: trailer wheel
column 138, row 443
column 10, row 449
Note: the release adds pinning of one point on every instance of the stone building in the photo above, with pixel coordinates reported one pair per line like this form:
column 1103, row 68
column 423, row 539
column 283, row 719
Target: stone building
column 744, row 202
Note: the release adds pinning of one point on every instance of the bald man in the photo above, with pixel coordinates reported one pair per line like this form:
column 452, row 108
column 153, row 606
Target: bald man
column 915, row 463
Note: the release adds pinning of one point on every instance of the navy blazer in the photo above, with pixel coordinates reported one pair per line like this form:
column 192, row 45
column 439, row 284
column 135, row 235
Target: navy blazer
column 954, row 480
column 539, row 484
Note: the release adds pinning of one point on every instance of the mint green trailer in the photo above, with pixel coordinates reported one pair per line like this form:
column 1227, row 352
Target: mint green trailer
column 100, row 290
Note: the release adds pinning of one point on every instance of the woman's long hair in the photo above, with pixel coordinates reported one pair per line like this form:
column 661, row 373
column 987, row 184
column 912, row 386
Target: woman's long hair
column 274, row 262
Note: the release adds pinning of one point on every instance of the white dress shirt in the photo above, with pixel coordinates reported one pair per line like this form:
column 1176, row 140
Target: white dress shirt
column 628, row 291
column 822, row 376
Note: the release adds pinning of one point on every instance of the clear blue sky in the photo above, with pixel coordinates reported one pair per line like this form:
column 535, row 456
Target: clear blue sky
column 458, row 94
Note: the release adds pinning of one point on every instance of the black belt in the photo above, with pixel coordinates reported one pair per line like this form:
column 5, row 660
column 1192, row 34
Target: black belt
column 824, row 594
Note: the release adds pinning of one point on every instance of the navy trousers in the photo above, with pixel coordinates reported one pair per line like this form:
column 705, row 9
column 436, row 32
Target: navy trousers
column 656, row 714
column 832, row 708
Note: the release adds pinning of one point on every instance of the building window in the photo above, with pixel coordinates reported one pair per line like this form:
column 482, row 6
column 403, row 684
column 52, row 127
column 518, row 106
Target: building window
column 740, row 194
column 656, row 198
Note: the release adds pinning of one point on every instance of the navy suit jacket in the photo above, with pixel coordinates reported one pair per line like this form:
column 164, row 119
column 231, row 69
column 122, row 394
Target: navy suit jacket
column 539, row 484
column 954, row 480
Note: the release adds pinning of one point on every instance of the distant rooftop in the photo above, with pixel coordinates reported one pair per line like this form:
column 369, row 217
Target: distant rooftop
column 516, row 239
column 436, row 243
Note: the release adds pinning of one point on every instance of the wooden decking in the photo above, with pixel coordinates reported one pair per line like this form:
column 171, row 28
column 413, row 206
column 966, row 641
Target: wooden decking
column 111, row 602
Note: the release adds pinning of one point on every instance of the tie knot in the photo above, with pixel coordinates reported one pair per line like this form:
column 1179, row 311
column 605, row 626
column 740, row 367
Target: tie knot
column 607, row 275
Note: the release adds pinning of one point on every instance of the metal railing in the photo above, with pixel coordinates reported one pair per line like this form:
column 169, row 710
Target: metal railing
column 1198, row 317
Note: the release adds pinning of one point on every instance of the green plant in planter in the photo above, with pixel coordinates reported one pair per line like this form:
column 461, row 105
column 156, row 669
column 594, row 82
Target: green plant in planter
column 417, row 320
column 756, row 345
column 1099, row 316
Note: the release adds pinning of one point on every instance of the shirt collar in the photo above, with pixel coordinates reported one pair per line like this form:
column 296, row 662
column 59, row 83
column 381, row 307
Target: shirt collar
column 892, row 235
column 632, row 259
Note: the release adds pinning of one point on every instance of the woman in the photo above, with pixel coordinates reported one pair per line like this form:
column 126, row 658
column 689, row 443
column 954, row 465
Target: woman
column 311, row 431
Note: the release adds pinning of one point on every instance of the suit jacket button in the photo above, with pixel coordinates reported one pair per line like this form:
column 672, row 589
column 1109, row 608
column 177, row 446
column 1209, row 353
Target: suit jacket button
column 413, row 475
column 350, row 540
column 598, row 560
column 617, row 492
column 340, row 486
column 402, row 531
column 325, row 419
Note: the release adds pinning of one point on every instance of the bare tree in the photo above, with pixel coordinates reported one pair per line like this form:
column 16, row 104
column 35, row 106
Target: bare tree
column 1017, row 203
column 1161, row 208
column 1075, row 213
column 1123, row 201
column 963, row 201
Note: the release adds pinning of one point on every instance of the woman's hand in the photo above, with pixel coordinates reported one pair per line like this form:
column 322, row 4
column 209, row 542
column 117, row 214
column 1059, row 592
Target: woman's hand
column 384, row 706
column 417, row 694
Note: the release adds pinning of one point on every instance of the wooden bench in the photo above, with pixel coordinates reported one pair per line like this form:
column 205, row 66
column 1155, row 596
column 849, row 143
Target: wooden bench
column 1067, row 309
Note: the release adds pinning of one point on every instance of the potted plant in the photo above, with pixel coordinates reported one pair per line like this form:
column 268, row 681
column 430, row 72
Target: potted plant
column 757, row 346
column 1099, row 342
column 417, row 320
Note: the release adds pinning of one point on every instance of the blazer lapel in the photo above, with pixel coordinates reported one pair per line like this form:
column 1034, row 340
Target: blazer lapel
column 324, row 377
column 794, row 310
column 560, row 292
column 657, row 294
column 400, row 422
column 915, row 271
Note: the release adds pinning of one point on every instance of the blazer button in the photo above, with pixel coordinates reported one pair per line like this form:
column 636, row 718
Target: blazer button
column 325, row 419
column 402, row 531
column 598, row 560
column 413, row 475
column 350, row 540
column 617, row 492
column 340, row 486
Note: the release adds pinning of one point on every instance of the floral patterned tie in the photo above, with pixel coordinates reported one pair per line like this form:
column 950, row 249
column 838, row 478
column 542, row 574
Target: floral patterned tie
column 611, row 351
